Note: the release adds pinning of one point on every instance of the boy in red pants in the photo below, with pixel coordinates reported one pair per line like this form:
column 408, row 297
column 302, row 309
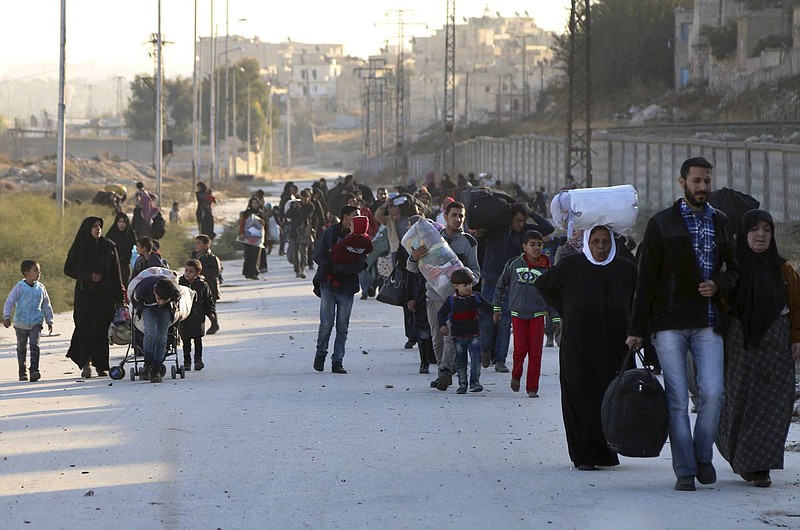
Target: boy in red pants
column 528, row 309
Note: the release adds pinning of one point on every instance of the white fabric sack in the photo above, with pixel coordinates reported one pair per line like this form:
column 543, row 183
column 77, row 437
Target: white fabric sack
column 274, row 231
column 615, row 207
column 440, row 261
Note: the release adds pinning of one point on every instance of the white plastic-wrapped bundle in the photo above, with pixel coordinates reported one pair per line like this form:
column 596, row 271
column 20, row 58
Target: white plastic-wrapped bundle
column 614, row 206
column 440, row 261
column 184, row 305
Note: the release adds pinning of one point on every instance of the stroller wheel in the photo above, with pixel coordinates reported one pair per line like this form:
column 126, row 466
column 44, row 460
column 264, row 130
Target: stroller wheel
column 133, row 374
column 173, row 371
column 163, row 370
column 116, row 373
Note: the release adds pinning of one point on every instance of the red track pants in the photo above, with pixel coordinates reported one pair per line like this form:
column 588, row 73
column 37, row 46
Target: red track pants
column 528, row 339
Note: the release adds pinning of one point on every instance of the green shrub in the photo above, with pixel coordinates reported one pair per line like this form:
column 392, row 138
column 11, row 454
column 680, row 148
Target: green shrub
column 225, row 245
column 32, row 229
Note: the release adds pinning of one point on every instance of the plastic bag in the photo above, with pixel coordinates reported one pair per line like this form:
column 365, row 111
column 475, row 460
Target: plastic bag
column 440, row 261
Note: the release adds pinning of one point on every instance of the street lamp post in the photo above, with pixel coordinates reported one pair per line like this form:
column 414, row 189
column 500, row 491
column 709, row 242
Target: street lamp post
column 212, row 132
column 61, row 131
column 159, row 108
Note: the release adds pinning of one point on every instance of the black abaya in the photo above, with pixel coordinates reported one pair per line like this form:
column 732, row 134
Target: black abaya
column 594, row 302
column 94, row 300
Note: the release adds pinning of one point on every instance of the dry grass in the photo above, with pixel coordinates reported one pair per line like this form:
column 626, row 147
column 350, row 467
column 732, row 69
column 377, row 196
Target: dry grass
column 32, row 229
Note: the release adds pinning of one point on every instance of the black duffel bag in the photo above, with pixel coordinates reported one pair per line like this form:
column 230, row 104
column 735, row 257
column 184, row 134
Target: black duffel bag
column 634, row 412
column 487, row 208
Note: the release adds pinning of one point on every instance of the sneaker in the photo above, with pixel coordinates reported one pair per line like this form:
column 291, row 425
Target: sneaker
column 145, row 375
column 424, row 369
column 435, row 383
column 86, row 373
column 198, row 365
column 515, row 384
column 685, row 483
column 706, row 474
column 319, row 363
column 500, row 366
column 101, row 373
column 364, row 296
column 587, row 467
column 187, row 364
column 532, row 394
column 445, row 380
column 475, row 387
column 23, row 376
column 462, row 389
column 337, row 368
column 35, row 376
column 213, row 328
column 486, row 358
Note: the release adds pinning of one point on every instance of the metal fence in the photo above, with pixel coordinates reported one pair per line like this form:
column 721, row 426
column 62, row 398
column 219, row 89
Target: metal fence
column 768, row 172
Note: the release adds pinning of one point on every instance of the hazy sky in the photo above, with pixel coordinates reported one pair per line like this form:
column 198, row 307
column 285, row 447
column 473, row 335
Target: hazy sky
column 112, row 33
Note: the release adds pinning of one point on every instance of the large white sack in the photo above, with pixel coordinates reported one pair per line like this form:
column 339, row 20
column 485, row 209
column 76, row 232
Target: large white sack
column 580, row 209
column 440, row 261
column 184, row 306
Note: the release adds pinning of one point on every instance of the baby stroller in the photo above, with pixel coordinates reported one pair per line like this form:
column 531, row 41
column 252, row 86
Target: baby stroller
column 135, row 351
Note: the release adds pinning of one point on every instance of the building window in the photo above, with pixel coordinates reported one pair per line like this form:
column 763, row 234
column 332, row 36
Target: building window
column 313, row 74
column 488, row 89
column 685, row 28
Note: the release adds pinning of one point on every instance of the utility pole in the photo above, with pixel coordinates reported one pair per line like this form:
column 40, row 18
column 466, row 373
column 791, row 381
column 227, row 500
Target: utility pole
column 61, row 130
column 373, row 81
column 227, row 100
column 466, row 99
column 195, row 143
column 159, row 108
column 400, row 91
column 449, row 145
column 579, row 142
column 526, row 89
column 212, row 130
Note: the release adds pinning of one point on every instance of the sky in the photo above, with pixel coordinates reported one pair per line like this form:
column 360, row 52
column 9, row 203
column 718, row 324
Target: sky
column 112, row 34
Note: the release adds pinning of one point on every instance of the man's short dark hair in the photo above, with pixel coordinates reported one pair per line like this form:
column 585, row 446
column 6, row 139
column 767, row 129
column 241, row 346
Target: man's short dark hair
column 146, row 243
column 195, row 263
column 697, row 161
column 167, row 290
column 454, row 204
column 204, row 239
column 27, row 264
column 532, row 235
column 520, row 208
column 462, row 276
column 347, row 210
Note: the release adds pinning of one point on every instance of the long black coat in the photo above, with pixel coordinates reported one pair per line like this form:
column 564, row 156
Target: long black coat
column 94, row 301
column 204, row 306
column 595, row 305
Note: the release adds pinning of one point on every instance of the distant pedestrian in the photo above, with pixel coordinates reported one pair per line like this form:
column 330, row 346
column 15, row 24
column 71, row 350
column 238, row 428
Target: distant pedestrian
column 175, row 214
column 30, row 305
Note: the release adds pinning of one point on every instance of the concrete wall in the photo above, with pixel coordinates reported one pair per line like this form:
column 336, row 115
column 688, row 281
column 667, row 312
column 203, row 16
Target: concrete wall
column 35, row 148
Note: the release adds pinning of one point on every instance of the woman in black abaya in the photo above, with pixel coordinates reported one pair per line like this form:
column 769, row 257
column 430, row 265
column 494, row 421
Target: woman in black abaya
column 92, row 262
column 593, row 292
column 123, row 236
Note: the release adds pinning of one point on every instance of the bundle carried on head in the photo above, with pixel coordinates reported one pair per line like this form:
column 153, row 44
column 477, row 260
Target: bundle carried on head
column 615, row 207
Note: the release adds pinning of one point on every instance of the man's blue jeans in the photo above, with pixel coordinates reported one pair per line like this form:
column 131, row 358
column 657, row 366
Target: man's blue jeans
column 334, row 307
column 156, row 325
column 500, row 346
column 471, row 345
column 706, row 349
column 365, row 281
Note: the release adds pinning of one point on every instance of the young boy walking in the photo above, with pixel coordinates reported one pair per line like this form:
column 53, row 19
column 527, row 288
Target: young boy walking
column 193, row 327
column 212, row 270
column 462, row 310
column 528, row 309
column 30, row 303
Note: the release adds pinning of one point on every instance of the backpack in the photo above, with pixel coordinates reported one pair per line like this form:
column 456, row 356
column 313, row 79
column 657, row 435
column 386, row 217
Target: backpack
column 634, row 412
column 487, row 208
column 159, row 227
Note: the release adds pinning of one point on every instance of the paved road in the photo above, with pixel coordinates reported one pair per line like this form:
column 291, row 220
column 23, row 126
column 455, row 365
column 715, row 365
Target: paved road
column 260, row 440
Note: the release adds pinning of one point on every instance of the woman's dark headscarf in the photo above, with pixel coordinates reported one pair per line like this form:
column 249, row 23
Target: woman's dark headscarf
column 125, row 239
column 86, row 252
column 761, row 295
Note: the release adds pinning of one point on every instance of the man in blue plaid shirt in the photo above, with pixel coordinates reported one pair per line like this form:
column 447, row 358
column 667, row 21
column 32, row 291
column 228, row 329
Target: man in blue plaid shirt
column 686, row 266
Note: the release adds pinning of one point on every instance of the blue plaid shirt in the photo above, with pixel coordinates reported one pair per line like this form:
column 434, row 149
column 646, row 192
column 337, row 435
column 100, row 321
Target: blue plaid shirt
column 701, row 230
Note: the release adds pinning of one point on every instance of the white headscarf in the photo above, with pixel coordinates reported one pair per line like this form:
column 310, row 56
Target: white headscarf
column 587, row 251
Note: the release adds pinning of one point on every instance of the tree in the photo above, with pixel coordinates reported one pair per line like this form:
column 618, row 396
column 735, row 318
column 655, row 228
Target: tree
column 140, row 114
column 3, row 124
